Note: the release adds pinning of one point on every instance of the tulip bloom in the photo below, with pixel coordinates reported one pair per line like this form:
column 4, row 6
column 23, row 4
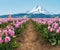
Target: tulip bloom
column 17, row 25
column 7, row 39
column 6, row 32
column 51, row 30
column 1, row 41
column 57, row 31
column 11, row 32
column 49, row 27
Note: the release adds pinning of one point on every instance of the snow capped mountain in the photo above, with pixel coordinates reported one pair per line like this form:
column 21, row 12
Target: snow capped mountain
column 37, row 10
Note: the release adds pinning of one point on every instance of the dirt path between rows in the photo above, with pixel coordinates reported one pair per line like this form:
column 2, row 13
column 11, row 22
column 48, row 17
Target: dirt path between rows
column 30, row 40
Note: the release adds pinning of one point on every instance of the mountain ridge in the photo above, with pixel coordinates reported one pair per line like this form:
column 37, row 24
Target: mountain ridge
column 37, row 10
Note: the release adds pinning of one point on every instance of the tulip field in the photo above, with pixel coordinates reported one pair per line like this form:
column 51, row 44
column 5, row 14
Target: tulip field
column 29, row 33
column 50, row 29
column 9, row 30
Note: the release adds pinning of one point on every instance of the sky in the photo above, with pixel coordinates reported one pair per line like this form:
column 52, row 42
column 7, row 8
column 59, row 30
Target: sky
column 21, row 6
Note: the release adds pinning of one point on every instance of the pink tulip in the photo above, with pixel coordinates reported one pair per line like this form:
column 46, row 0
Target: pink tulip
column 12, row 28
column 59, row 28
column 44, row 22
column 10, row 16
column 7, row 39
column 6, row 32
column 51, row 29
column 7, row 27
column 55, row 25
column 49, row 22
column 11, row 32
column 57, row 31
column 1, row 41
column 17, row 25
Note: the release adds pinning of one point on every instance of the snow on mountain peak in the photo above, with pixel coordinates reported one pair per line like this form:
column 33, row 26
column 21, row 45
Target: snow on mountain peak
column 37, row 10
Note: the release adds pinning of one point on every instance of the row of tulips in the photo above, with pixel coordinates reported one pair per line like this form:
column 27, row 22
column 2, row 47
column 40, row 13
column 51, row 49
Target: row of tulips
column 49, row 29
column 9, row 32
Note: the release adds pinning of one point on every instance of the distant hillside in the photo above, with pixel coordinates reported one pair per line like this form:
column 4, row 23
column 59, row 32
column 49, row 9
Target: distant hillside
column 21, row 15
column 13, row 15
